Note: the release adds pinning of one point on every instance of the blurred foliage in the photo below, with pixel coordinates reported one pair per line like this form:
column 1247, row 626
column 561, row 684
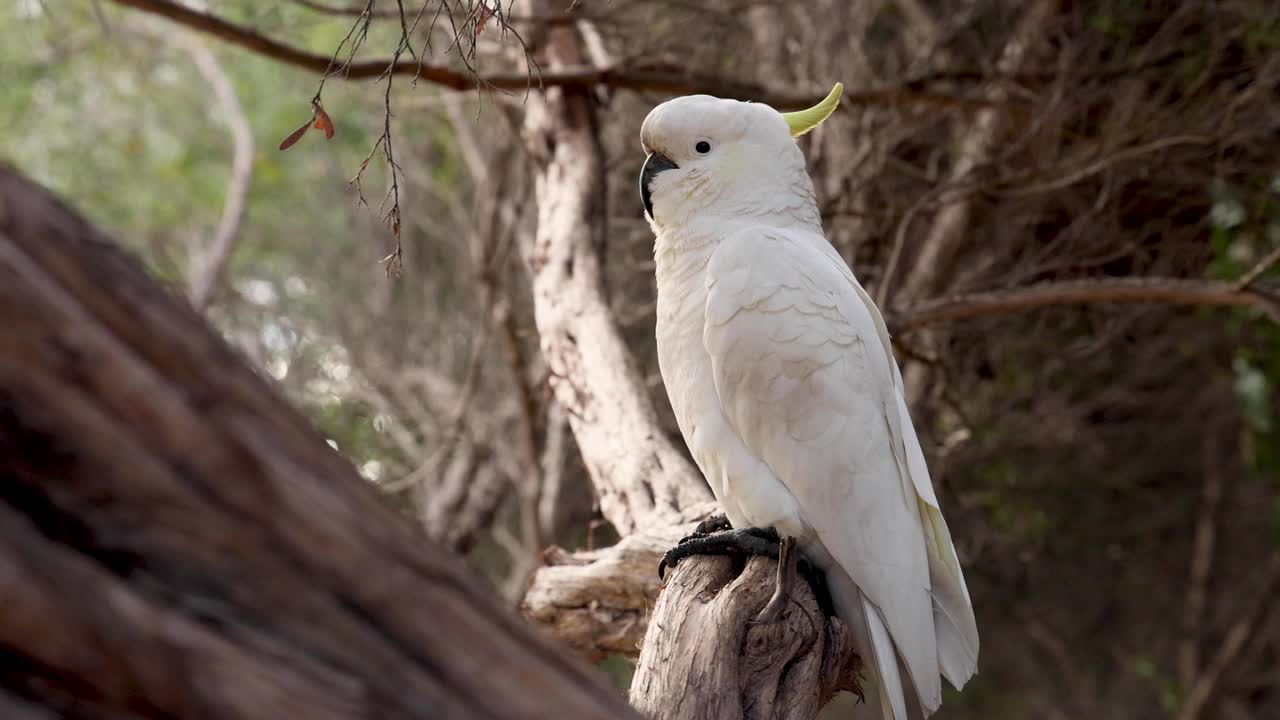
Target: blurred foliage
column 1242, row 234
column 101, row 109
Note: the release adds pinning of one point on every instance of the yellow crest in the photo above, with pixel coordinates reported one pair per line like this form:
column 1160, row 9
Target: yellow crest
column 802, row 121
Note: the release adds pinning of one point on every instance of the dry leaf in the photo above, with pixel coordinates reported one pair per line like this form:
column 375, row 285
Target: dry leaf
column 323, row 122
column 295, row 136
column 483, row 18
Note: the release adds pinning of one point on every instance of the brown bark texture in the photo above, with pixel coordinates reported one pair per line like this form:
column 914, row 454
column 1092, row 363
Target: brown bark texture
column 705, row 656
column 176, row 541
column 598, row 602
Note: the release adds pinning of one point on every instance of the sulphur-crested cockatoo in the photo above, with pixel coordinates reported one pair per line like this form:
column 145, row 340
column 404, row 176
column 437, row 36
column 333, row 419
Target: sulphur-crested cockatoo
column 780, row 372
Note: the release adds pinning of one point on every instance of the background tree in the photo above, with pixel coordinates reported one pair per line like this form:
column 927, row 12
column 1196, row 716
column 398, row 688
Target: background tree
column 1070, row 211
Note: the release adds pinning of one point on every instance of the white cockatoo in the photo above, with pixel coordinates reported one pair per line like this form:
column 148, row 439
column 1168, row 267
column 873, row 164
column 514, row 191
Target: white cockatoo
column 784, row 385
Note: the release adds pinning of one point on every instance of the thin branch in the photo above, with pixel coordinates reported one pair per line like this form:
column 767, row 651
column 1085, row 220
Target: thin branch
column 672, row 80
column 1075, row 176
column 1171, row 291
column 391, row 216
column 1237, row 637
column 348, row 10
column 1202, row 550
column 1052, row 644
column 1257, row 270
column 353, row 10
column 356, row 36
column 207, row 267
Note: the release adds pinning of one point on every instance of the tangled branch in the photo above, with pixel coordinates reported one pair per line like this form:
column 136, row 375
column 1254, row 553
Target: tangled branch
column 658, row 78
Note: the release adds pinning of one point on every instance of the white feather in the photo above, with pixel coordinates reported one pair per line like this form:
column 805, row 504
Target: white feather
column 792, row 410
column 893, row 700
column 784, row 385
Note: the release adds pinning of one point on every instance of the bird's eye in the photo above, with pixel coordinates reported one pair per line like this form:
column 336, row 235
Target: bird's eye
column 702, row 146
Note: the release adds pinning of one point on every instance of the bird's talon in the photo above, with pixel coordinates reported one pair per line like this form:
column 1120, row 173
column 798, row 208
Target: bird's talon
column 666, row 562
column 712, row 524
column 788, row 559
column 747, row 541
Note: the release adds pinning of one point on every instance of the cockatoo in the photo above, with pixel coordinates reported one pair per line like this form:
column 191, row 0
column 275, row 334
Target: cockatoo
column 779, row 369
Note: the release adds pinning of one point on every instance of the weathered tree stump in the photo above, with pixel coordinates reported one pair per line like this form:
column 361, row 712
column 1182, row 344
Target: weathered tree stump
column 705, row 658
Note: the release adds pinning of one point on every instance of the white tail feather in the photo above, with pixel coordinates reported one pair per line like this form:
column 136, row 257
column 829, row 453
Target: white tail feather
column 893, row 698
column 953, row 619
column 872, row 641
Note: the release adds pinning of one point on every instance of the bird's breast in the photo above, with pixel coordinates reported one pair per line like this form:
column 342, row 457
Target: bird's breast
column 682, row 356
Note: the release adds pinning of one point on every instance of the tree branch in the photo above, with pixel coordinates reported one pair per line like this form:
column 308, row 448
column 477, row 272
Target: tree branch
column 1257, row 271
column 568, row 18
column 1241, row 632
column 207, row 266
column 1172, row 291
column 672, row 80
column 1202, row 553
column 598, row 602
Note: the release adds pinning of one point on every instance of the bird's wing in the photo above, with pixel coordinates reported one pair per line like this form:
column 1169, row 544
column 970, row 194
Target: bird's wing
column 956, row 626
column 803, row 375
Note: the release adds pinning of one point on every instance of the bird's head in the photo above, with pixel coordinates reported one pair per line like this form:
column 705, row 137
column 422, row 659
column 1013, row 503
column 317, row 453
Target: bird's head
column 709, row 157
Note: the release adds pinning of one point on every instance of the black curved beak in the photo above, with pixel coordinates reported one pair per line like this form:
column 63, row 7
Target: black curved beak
column 653, row 165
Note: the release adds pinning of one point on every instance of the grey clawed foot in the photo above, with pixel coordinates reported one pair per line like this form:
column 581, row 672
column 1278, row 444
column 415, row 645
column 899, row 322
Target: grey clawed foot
column 743, row 541
column 755, row 541
column 788, row 559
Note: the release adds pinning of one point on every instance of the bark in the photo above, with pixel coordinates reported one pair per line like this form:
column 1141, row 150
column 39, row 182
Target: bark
column 701, row 656
column 641, row 478
column 598, row 602
column 175, row 541
column 704, row 657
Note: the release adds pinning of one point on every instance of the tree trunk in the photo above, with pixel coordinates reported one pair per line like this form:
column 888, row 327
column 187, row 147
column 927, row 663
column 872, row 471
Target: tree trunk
column 175, row 541
column 641, row 479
